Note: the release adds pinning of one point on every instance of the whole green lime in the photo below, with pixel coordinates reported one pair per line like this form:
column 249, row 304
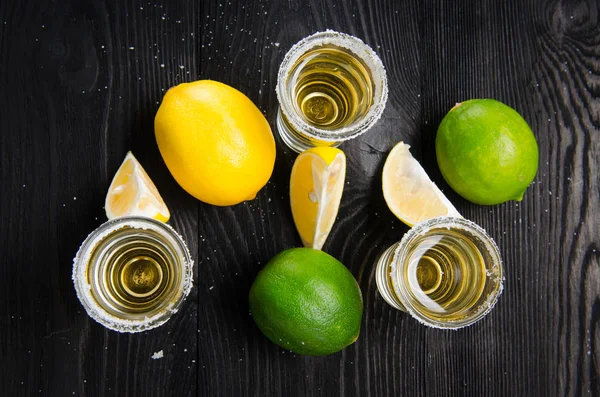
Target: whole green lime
column 486, row 151
column 308, row 302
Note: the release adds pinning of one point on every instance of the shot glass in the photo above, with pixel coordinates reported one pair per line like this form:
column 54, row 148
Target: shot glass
column 132, row 273
column 445, row 272
column 331, row 87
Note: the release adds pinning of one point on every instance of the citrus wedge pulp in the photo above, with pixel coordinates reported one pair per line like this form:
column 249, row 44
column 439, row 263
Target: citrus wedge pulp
column 132, row 193
column 316, row 187
column 408, row 191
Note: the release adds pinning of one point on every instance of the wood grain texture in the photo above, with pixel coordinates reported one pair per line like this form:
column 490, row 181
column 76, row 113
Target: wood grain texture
column 250, row 39
column 80, row 83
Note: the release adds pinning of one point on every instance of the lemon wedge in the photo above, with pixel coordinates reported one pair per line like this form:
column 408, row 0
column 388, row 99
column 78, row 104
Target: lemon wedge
column 408, row 191
column 132, row 193
column 316, row 187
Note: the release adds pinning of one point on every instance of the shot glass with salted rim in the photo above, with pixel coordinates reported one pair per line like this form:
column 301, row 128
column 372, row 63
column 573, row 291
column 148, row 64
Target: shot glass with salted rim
column 331, row 87
column 132, row 273
column 446, row 272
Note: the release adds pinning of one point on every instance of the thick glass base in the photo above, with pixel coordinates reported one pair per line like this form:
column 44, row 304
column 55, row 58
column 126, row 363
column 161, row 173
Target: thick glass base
column 384, row 280
column 444, row 252
column 296, row 141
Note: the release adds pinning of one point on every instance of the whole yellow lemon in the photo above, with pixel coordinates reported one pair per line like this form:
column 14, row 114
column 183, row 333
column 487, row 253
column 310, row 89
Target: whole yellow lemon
column 216, row 143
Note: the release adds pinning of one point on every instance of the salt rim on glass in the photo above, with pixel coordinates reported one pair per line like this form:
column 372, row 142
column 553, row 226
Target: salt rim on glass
column 365, row 53
column 495, row 273
column 84, row 289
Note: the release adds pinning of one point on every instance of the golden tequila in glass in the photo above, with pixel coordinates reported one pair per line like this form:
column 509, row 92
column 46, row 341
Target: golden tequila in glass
column 132, row 273
column 331, row 87
column 446, row 272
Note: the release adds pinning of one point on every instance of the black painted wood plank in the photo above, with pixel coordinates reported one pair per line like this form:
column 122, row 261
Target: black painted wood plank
column 537, row 58
column 87, row 78
column 80, row 83
column 243, row 45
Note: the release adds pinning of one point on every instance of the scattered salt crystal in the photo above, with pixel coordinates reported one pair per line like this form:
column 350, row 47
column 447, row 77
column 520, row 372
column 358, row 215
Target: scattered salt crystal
column 157, row 355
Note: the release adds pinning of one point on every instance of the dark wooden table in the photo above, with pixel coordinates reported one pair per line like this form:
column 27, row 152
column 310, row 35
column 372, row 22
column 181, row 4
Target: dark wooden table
column 80, row 83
